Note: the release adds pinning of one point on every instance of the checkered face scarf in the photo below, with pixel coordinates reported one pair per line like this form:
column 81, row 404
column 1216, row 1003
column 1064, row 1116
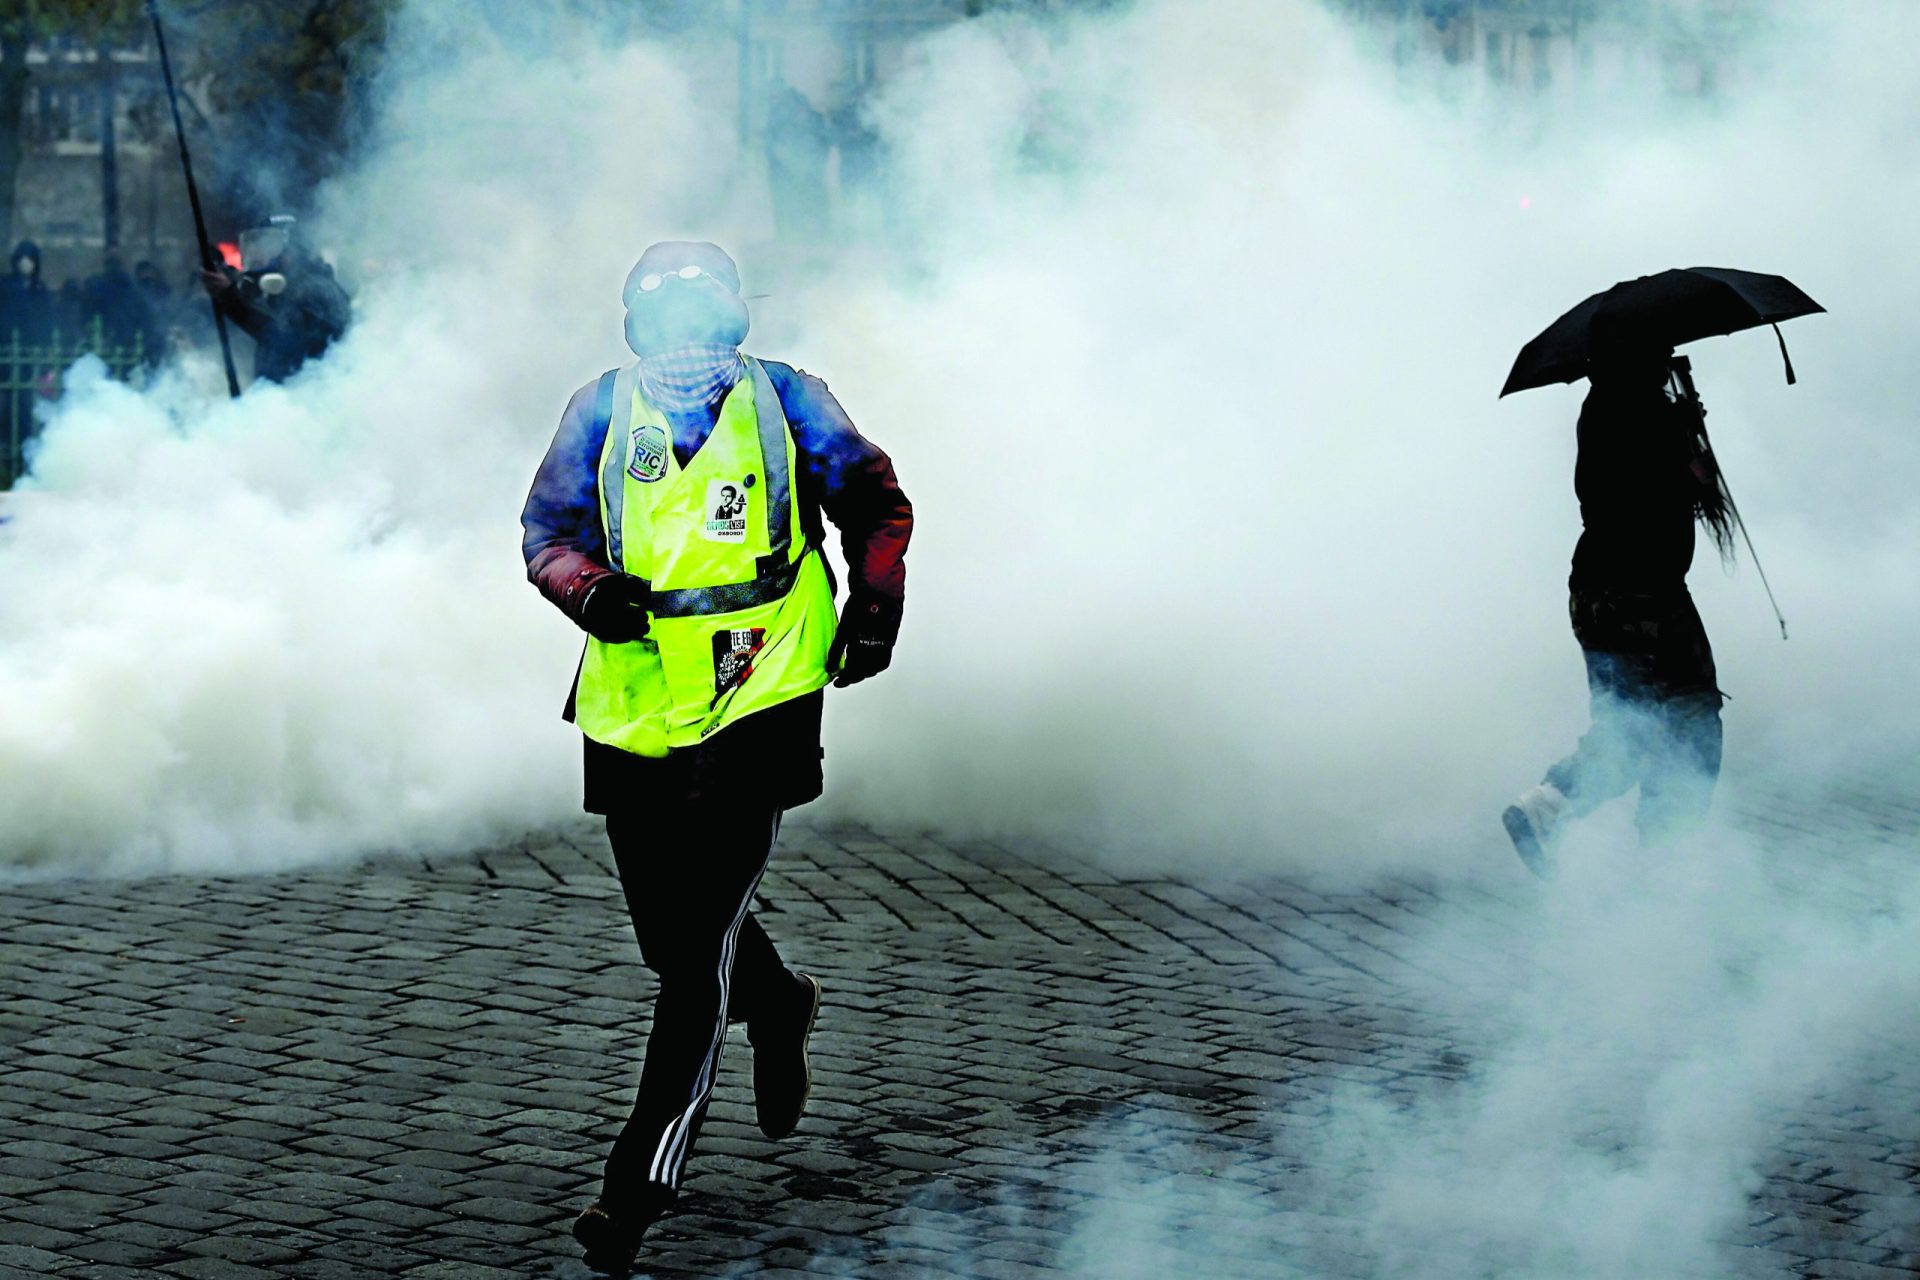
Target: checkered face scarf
column 689, row 378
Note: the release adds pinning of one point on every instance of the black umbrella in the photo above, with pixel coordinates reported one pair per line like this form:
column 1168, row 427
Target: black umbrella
column 1670, row 309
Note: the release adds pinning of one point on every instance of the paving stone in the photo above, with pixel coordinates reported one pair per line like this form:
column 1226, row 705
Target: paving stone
column 461, row 1271
column 30, row 1261
column 435, row 1055
column 217, row 1269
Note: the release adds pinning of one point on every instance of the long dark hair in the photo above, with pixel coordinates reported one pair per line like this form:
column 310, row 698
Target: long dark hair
column 1712, row 503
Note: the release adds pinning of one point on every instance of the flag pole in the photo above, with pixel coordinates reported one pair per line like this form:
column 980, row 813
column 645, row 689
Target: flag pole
column 207, row 260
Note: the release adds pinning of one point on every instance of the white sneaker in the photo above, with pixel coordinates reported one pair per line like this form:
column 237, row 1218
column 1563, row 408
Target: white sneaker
column 1532, row 822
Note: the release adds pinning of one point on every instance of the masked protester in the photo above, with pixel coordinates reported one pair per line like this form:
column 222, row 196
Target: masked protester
column 27, row 315
column 284, row 297
column 677, row 519
column 1643, row 476
column 26, row 309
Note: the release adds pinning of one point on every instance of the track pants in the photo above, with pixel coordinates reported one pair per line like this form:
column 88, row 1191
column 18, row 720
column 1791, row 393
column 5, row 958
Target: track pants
column 689, row 871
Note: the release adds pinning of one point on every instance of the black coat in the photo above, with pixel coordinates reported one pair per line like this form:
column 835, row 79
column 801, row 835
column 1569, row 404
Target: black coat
column 295, row 326
column 1636, row 488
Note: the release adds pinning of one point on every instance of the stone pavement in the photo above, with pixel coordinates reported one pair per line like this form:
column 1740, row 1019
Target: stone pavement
column 1026, row 1066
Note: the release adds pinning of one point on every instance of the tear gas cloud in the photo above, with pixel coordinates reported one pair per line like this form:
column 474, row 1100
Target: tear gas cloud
column 1183, row 322
column 1185, row 344
column 1644, row 1046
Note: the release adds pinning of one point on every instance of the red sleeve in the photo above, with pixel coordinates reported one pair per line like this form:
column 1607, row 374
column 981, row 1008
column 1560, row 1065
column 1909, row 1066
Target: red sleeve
column 857, row 488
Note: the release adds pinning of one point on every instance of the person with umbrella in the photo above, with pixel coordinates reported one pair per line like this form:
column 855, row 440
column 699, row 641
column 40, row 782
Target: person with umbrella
column 1645, row 473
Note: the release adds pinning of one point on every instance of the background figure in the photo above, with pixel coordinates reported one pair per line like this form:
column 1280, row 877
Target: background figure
column 798, row 143
column 161, row 310
column 115, row 301
column 26, row 308
column 26, row 318
column 69, row 310
column 1641, row 480
column 286, row 300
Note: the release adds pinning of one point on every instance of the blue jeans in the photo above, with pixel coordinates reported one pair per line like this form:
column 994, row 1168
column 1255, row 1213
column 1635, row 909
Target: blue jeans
column 1656, row 711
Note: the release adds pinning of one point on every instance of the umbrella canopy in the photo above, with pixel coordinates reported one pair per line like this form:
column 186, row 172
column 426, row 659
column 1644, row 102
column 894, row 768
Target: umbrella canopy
column 1672, row 308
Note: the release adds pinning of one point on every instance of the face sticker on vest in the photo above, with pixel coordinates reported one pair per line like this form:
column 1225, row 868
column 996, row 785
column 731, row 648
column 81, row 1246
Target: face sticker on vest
column 733, row 655
column 726, row 512
column 649, row 453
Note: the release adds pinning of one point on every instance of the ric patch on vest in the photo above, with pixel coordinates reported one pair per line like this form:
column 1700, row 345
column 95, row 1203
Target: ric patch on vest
column 725, row 512
column 649, row 453
column 733, row 655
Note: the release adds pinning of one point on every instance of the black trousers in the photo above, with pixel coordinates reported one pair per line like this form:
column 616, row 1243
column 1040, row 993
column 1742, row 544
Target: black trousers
column 1656, row 710
column 689, row 869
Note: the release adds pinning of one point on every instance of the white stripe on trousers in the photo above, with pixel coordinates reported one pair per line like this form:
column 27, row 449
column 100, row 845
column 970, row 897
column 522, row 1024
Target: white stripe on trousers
column 670, row 1157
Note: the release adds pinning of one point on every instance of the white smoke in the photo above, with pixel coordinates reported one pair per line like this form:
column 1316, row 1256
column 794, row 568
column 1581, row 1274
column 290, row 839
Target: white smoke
column 1590, row 1082
column 238, row 636
column 1185, row 333
column 1648, row 1037
column 1206, row 428
column 1185, row 344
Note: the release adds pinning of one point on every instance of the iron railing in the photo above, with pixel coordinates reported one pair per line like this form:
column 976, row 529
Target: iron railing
column 31, row 373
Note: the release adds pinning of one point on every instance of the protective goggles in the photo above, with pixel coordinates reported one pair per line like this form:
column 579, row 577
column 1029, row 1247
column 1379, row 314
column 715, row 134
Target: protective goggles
column 654, row 279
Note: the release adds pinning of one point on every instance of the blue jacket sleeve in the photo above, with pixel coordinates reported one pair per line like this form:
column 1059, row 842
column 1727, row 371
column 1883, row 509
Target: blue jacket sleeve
column 852, row 481
column 562, row 541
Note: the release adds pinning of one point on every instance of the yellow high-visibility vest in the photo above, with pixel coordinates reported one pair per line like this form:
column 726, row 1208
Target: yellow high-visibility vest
column 741, row 615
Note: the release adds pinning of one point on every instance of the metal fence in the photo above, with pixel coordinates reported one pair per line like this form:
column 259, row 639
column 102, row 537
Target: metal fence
column 31, row 374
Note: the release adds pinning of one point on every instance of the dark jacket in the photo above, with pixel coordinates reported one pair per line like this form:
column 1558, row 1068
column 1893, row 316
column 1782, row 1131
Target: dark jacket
column 1635, row 481
column 841, row 476
column 1636, row 490
column 297, row 325
column 26, row 308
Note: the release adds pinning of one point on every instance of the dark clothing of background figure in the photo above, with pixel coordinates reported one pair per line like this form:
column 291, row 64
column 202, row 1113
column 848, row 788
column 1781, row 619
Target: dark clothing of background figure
column 689, row 869
column 26, row 308
column 294, row 326
column 70, row 307
column 27, row 312
column 1656, row 703
column 162, row 311
column 116, row 303
column 773, row 754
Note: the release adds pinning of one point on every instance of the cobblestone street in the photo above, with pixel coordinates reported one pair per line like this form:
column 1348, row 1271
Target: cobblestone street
column 1024, row 1064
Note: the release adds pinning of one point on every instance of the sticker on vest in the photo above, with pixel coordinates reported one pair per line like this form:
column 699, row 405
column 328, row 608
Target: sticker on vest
column 733, row 655
column 726, row 512
column 649, row 453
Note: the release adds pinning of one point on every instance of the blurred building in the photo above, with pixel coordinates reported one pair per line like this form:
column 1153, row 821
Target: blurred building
column 831, row 52
column 798, row 73
column 98, row 172
column 1563, row 48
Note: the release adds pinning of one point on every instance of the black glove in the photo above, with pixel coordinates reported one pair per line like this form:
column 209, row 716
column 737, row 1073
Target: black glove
column 863, row 644
column 615, row 610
